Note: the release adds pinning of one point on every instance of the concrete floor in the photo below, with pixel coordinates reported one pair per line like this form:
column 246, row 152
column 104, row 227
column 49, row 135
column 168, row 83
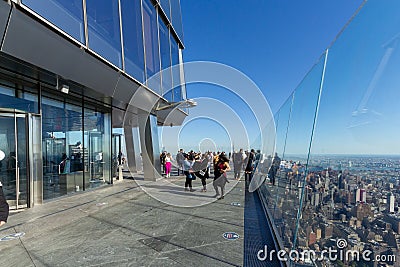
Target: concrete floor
column 121, row 225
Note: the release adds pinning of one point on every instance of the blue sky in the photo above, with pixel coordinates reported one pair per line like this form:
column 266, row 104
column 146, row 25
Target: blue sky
column 275, row 43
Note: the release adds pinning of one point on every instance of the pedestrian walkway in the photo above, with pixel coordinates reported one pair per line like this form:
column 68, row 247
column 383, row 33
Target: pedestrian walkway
column 121, row 225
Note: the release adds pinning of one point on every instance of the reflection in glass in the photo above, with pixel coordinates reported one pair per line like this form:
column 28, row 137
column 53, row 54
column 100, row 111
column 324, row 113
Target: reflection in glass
column 133, row 38
column 349, row 181
column 354, row 162
column 176, row 78
column 21, row 99
column 151, row 45
column 22, row 163
column 65, row 14
column 104, row 29
column 14, row 167
column 155, row 142
column 165, row 60
column 166, row 8
column 177, row 18
column 97, row 143
column 63, row 154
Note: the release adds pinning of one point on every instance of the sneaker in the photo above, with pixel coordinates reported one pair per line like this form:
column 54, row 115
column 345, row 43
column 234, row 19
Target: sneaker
column 221, row 198
column 186, row 189
column 192, row 190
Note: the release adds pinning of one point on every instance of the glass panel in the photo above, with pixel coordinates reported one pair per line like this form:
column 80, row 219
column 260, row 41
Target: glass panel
column 133, row 38
column 63, row 154
column 287, row 174
column 154, row 141
column 176, row 79
column 355, row 148
column 8, row 164
column 177, row 18
column 14, row 168
column 138, row 149
column 275, row 196
column 22, row 164
column 25, row 100
column 165, row 6
column 35, row 136
column 65, row 14
column 168, row 96
column 116, row 153
column 296, row 155
column 151, row 46
column 104, row 29
column 165, row 60
column 97, row 143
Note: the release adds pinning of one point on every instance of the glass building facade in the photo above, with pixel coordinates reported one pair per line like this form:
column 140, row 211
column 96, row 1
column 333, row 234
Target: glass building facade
column 61, row 126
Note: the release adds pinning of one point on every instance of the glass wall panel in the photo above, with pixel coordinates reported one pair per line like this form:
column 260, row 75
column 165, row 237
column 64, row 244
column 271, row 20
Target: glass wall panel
column 290, row 168
column 176, row 78
column 177, row 18
column 97, row 143
column 276, row 195
column 165, row 53
column 25, row 98
column 355, row 150
column 154, row 141
column 151, row 46
column 7, row 165
column 104, row 29
column 133, row 38
column 166, row 8
column 65, row 14
column 63, row 154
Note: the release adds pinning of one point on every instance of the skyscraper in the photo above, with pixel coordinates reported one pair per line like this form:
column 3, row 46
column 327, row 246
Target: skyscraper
column 390, row 202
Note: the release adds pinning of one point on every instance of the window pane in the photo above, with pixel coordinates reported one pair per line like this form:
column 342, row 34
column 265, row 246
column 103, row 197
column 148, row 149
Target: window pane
column 63, row 155
column 151, row 44
column 26, row 99
column 65, row 14
column 177, row 94
column 97, row 143
column 166, row 8
column 133, row 38
column 104, row 30
column 177, row 18
column 165, row 57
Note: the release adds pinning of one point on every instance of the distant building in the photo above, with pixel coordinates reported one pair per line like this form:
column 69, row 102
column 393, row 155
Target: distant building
column 363, row 196
column 394, row 221
column 312, row 238
column 318, row 233
column 361, row 210
column 315, row 199
column 327, row 231
column 390, row 202
column 357, row 195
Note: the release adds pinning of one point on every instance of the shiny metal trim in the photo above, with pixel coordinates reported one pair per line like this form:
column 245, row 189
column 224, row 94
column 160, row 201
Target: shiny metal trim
column 16, row 162
column 85, row 23
column 182, row 75
column 144, row 43
column 121, row 35
column 159, row 51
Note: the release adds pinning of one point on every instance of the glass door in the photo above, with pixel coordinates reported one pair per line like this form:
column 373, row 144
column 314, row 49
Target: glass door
column 116, row 153
column 96, row 156
column 14, row 167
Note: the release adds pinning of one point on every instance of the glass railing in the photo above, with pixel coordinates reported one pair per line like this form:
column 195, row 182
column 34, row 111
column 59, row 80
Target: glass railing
column 337, row 163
